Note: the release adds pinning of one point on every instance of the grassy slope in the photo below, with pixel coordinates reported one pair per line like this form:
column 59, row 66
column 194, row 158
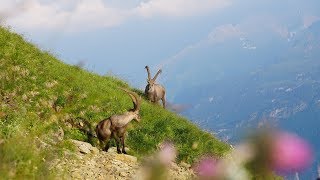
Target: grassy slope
column 33, row 81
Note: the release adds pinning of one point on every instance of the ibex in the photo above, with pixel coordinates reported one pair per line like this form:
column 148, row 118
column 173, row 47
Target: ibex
column 116, row 125
column 154, row 91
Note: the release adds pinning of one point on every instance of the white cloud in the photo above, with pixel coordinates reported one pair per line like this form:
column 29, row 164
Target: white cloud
column 95, row 14
column 39, row 15
column 76, row 15
column 69, row 15
column 178, row 8
column 11, row 8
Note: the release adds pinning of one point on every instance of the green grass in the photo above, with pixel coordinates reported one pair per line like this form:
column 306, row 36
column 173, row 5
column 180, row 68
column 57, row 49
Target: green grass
column 40, row 94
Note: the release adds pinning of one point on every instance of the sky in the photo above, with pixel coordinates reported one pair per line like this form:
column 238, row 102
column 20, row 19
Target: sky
column 121, row 37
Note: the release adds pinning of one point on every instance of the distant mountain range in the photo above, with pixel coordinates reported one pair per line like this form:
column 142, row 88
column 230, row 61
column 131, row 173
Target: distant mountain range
column 249, row 81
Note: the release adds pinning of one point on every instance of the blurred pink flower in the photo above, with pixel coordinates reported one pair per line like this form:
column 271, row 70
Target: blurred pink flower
column 206, row 167
column 167, row 153
column 290, row 153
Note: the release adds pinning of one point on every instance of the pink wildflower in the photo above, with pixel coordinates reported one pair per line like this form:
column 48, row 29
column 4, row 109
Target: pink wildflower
column 290, row 153
column 207, row 167
column 167, row 153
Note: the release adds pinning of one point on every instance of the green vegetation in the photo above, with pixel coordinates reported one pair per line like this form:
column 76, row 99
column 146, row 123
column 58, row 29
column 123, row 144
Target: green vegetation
column 40, row 95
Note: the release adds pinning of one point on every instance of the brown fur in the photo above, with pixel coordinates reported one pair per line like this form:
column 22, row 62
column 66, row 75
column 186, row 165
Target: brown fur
column 153, row 91
column 116, row 125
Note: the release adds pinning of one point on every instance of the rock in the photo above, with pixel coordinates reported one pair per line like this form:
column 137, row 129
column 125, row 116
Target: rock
column 68, row 125
column 123, row 174
column 112, row 150
column 126, row 158
column 59, row 134
column 95, row 150
column 83, row 147
column 95, row 164
column 185, row 165
column 40, row 143
column 174, row 166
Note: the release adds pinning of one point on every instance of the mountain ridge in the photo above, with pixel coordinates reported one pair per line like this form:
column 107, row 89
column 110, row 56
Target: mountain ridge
column 274, row 83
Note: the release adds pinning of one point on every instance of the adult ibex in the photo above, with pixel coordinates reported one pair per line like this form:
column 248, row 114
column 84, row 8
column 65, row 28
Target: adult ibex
column 116, row 125
column 154, row 91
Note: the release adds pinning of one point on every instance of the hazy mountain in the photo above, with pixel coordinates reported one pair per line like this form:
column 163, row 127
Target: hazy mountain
column 251, row 80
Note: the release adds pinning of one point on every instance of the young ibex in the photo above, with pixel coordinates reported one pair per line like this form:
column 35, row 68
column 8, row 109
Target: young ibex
column 116, row 125
column 154, row 91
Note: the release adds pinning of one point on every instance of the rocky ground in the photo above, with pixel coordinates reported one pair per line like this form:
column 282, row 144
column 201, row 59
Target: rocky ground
column 90, row 163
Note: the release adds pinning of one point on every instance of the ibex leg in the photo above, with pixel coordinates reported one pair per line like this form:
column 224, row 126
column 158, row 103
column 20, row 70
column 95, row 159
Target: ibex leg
column 123, row 147
column 163, row 102
column 107, row 146
column 101, row 144
column 118, row 144
column 104, row 145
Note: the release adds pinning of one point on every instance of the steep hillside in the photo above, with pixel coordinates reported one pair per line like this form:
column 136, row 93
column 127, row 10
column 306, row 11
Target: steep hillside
column 42, row 99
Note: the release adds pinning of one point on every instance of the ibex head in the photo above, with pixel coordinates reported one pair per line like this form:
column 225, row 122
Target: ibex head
column 137, row 117
column 151, row 81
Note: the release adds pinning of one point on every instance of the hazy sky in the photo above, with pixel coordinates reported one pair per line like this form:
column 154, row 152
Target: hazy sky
column 123, row 36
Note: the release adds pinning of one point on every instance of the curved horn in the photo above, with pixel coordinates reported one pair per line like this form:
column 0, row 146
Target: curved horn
column 148, row 71
column 138, row 105
column 155, row 77
column 136, row 101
